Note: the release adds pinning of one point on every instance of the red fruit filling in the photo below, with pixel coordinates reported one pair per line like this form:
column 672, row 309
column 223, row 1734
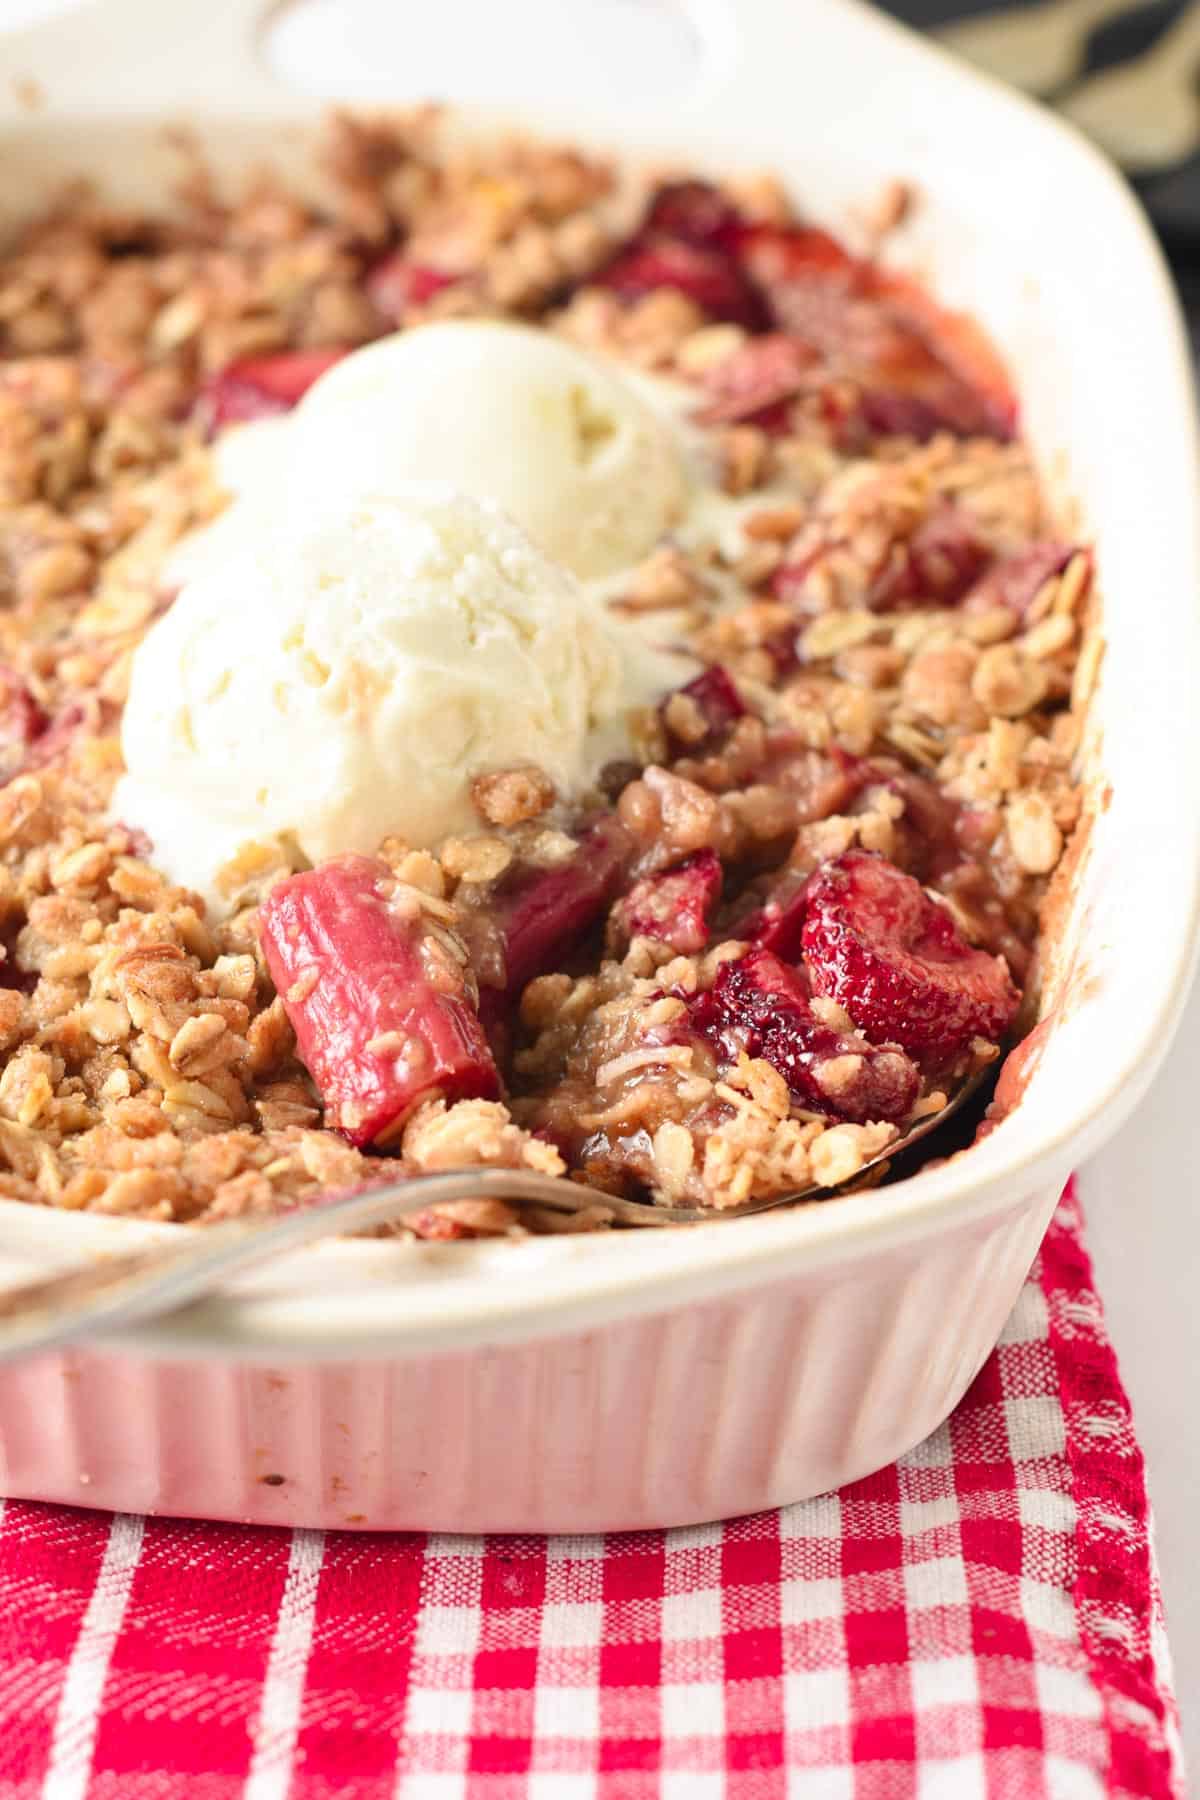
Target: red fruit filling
column 674, row 907
column 918, row 371
column 875, row 942
column 937, row 565
column 950, row 362
column 262, row 387
column 921, row 397
column 759, row 1005
column 381, row 1009
column 720, row 704
column 778, row 923
column 58, row 735
column 783, row 257
column 396, row 284
column 542, row 913
column 754, row 384
column 22, row 722
column 1016, row 580
column 697, row 212
column 708, row 277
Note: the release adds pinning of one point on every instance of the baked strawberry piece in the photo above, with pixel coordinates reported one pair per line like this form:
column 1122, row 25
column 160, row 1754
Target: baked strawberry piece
column 777, row 924
column 262, row 387
column 758, row 1005
column 689, row 240
column 379, row 996
column 708, row 277
column 897, row 962
column 917, row 371
column 698, row 213
column 673, row 907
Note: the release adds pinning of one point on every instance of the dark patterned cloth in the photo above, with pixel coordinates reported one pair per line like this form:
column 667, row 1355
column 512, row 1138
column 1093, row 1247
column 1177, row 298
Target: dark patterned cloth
column 1173, row 198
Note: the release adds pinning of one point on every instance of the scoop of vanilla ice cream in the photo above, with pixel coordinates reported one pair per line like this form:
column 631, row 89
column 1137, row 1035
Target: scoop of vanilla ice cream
column 341, row 677
column 507, row 413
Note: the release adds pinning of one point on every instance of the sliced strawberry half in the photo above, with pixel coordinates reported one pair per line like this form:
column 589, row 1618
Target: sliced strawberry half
column 957, row 367
column 896, row 961
column 760, row 1006
column 673, row 907
column 262, row 387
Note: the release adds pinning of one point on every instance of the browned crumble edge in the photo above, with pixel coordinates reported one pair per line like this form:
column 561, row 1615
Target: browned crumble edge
column 147, row 1067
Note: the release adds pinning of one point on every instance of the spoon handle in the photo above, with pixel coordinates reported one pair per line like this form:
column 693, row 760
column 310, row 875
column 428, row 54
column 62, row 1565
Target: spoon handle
column 112, row 1292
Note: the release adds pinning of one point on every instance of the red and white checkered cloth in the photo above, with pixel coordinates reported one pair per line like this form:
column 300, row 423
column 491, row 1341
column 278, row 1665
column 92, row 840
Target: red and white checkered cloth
column 982, row 1619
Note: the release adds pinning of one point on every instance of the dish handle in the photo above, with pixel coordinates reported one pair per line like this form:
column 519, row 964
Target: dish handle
column 151, row 58
column 139, row 58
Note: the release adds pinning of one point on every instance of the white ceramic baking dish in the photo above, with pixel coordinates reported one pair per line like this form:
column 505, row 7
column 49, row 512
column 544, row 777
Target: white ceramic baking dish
column 661, row 1378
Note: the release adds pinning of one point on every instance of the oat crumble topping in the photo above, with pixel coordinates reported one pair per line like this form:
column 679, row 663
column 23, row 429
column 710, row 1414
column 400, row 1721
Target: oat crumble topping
column 891, row 710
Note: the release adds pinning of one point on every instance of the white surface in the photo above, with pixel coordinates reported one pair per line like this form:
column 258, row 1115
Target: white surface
column 1142, row 1198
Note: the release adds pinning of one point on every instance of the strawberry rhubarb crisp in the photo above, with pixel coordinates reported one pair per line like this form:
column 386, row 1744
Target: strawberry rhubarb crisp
column 503, row 670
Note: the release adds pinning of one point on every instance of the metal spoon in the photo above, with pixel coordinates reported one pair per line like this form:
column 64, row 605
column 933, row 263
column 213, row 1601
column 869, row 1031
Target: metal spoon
column 117, row 1291
column 1038, row 48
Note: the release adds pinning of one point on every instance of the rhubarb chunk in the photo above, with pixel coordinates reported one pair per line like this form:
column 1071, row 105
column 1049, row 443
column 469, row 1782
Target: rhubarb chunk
column 262, row 387
column 759, row 1005
column 936, row 566
column 542, row 913
column 377, row 996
